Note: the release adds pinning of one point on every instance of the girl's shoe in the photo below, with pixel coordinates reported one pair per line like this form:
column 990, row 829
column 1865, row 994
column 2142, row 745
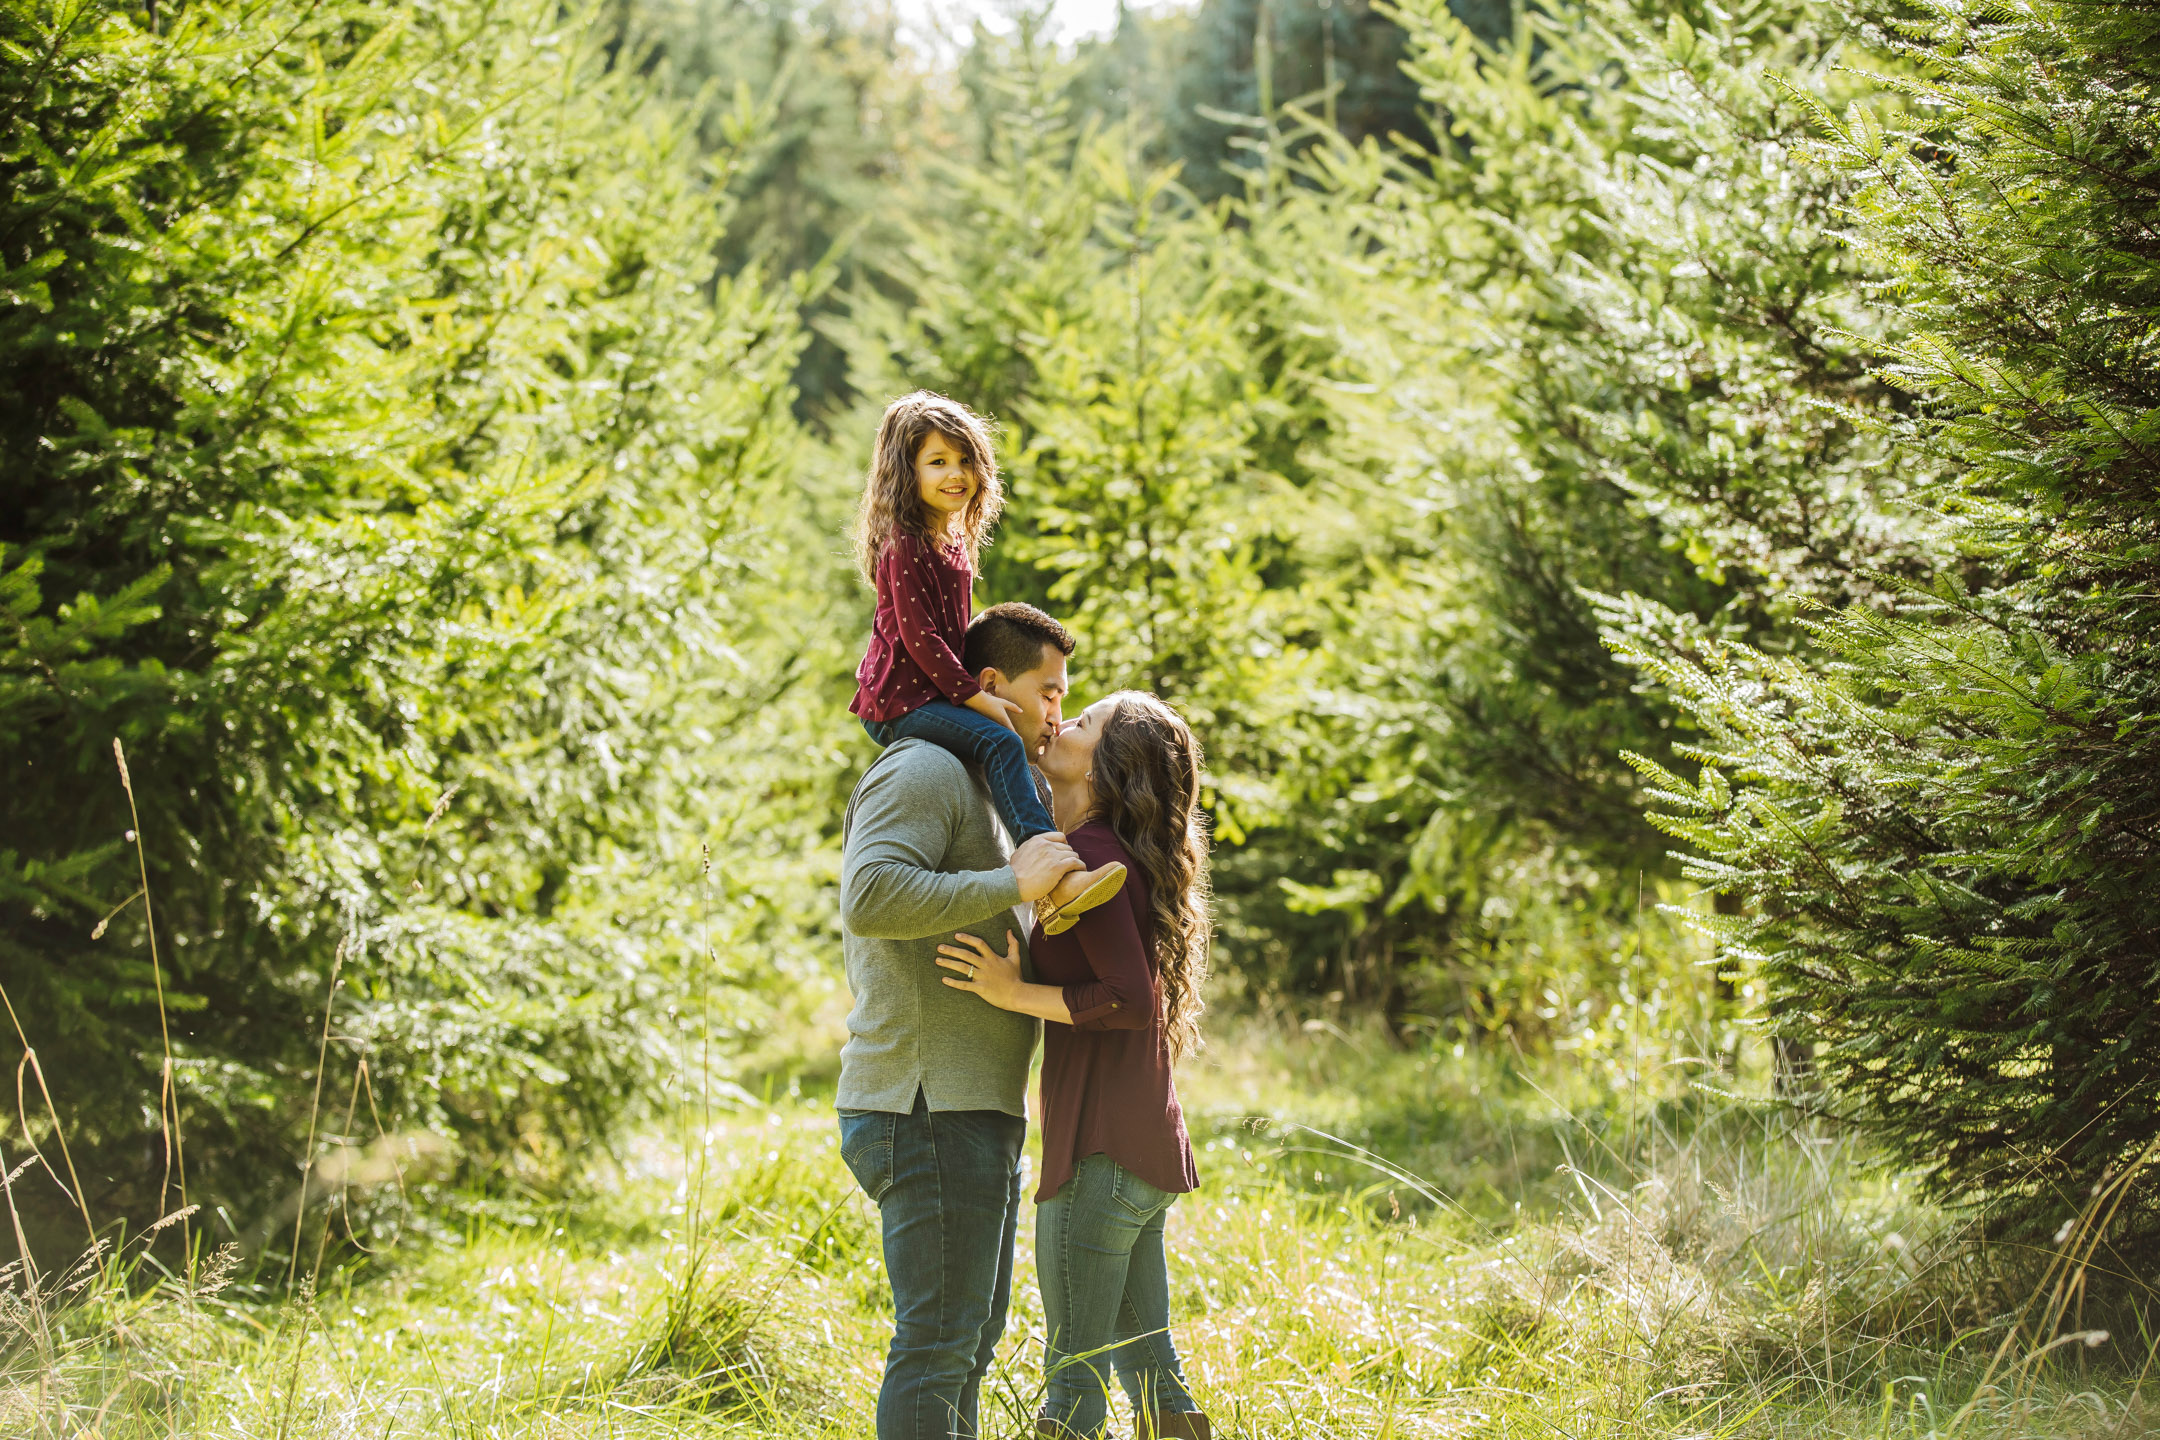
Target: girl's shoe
column 1089, row 889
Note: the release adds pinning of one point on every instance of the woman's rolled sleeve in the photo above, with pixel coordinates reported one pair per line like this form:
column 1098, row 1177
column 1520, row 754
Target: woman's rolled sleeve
column 1122, row 994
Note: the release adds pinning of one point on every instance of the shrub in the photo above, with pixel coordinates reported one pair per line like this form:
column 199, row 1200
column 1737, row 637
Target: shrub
column 375, row 439
column 1944, row 833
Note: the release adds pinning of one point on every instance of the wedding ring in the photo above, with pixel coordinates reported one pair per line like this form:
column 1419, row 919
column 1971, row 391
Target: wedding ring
column 971, row 972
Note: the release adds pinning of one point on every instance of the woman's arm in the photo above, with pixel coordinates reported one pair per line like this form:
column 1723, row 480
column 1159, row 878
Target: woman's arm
column 1120, row 997
column 980, row 970
column 1122, row 994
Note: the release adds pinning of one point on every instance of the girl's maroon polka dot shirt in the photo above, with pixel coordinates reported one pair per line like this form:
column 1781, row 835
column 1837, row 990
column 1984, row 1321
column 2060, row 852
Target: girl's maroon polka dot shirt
column 924, row 599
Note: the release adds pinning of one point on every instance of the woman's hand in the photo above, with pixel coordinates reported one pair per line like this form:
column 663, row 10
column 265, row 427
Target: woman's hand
column 982, row 971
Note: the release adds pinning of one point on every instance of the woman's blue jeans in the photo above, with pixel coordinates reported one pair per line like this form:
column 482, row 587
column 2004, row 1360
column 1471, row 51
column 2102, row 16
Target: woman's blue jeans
column 1106, row 1297
column 995, row 750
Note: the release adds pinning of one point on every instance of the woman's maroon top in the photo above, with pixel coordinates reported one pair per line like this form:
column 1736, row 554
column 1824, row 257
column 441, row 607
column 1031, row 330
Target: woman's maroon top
column 923, row 603
column 1106, row 1083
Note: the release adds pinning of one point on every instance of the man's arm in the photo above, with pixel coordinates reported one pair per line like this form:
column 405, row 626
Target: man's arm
column 890, row 886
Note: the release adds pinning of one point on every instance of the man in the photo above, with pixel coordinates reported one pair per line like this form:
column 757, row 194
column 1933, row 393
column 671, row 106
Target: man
column 932, row 1081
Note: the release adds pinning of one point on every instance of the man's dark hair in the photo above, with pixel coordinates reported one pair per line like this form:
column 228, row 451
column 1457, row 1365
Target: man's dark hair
column 1009, row 639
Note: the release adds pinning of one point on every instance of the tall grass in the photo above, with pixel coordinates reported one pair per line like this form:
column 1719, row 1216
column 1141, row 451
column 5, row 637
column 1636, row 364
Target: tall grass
column 1545, row 1258
column 1422, row 1240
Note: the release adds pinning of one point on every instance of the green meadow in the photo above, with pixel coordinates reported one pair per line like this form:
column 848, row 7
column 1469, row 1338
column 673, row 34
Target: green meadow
column 1651, row 508
column 1384, row 1245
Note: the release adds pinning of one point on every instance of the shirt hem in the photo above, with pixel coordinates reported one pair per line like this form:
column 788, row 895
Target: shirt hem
column 1043, row 1192
column 891, row 1102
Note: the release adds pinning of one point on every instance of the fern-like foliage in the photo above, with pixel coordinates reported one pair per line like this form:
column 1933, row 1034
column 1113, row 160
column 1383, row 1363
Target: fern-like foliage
column 1945, row 822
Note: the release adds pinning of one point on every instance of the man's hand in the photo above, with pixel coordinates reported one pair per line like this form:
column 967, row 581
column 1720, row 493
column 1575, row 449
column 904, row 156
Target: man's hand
column 983, row 703
column 1040, row 862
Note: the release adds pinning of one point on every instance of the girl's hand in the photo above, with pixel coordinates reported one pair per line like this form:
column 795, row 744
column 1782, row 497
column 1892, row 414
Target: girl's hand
column 1005, row 712
column 982, row 971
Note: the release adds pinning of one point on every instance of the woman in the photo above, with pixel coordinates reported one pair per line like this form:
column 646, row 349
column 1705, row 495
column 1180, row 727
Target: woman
column 1122, row 992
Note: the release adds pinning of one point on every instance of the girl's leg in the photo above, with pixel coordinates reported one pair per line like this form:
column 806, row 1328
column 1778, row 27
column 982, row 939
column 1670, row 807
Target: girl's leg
column 1084, row 1237
column 1146, row 1359
column 995, row 750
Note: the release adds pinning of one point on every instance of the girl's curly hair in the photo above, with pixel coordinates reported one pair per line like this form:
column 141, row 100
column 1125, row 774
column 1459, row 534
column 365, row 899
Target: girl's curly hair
column 1147, row 788
column 892, row 502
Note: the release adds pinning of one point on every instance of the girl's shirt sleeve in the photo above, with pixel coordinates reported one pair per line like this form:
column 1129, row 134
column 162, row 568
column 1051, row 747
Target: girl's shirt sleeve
column 911, row 582
column 1122, row 994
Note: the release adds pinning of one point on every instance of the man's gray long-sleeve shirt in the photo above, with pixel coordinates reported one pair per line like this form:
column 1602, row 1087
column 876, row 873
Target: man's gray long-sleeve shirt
column 924, row 856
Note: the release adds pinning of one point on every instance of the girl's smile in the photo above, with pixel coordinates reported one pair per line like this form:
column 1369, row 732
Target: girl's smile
column 944, row 477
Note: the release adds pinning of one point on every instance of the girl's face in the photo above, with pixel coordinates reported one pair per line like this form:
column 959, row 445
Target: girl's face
column 944, row 479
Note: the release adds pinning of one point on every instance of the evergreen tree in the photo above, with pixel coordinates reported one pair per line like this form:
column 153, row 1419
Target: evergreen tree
column 376, row 440
column 1580, row 322
column 1196, row 82
column 1945, row 832
column 822, row 118
column 1159, row 376
column 1662, row 324
column 951, row 306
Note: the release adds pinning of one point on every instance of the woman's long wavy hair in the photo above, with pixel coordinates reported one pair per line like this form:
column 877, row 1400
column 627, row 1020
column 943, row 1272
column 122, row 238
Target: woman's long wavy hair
column 1147, row 789
column 892, row 501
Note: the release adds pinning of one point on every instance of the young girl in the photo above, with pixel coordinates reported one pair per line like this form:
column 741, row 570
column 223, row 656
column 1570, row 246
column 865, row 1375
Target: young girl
column 931, row 499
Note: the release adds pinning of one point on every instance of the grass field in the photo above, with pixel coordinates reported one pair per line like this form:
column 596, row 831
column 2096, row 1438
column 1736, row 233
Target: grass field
column 1387, row 1243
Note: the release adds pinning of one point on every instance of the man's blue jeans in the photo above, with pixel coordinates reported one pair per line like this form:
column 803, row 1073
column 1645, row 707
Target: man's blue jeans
column 1106, row 1297
column 996, row 751
column 947, row 1187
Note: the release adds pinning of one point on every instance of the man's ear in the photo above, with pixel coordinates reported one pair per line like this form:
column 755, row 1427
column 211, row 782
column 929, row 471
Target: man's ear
column 991, row 679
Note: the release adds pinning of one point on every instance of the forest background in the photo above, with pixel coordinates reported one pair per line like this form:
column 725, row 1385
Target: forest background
column 1649, row 507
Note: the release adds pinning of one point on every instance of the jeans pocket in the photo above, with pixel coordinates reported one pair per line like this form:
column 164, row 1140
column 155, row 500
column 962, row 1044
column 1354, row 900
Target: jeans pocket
column 866, row 1148
column 1135, row 1196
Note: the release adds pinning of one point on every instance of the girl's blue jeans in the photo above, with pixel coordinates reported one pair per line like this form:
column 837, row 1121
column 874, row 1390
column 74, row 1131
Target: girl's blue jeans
column 995, row 750
column 1106, row 1298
